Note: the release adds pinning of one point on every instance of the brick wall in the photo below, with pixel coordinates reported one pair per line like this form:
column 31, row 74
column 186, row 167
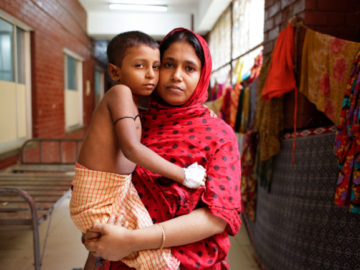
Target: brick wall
column 56, row 25
column 277, row 14
column 333, row 17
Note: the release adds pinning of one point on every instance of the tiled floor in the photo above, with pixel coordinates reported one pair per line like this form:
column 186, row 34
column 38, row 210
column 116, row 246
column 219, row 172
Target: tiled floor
column 64, row 250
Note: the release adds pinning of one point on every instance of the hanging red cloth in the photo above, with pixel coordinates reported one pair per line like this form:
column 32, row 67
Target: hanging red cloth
column 281, row 78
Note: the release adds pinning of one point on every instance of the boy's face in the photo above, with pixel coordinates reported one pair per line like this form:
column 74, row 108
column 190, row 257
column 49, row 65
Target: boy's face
column 139, row 69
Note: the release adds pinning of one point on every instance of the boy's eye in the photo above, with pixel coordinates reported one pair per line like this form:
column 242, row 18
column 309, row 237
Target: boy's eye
column 157, row 67
column 139, row 65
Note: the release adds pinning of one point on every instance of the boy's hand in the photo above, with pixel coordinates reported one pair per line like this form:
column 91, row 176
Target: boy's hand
column 195, row 176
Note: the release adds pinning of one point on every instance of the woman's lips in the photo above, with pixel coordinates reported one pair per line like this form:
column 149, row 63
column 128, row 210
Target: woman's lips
column 174, row 88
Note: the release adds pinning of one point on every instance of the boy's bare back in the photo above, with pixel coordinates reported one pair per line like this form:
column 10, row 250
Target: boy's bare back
column 100, row 150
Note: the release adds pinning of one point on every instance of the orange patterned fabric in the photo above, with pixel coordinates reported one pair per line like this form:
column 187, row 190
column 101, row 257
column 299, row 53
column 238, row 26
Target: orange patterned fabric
column 325, row 69
column 98, row 195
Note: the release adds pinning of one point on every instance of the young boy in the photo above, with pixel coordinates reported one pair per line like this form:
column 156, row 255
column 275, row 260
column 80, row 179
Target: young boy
column 102, row 184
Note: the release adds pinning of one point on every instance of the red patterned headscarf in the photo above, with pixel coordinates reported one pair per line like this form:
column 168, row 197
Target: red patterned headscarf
column 184, row 135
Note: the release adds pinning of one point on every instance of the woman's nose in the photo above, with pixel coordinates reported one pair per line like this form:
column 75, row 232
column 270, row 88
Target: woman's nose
column 176, row 76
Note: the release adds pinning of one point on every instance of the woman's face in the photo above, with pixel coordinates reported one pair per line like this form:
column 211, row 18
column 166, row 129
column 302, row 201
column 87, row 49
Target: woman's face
column 179, row 74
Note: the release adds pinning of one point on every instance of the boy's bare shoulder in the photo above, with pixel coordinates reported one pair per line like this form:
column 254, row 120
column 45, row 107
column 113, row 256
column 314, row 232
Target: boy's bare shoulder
column 118, row 91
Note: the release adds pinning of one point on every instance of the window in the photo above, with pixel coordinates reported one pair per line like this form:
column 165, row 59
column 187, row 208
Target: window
column 6, row 49
column 248, row 34
column 236, row 40
column 15, row 91
column 73, row 91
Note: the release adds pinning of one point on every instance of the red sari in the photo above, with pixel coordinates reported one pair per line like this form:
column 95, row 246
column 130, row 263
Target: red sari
column 184, row 135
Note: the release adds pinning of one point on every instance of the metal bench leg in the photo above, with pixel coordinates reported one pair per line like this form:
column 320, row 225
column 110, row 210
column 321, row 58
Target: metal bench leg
column 35, row 225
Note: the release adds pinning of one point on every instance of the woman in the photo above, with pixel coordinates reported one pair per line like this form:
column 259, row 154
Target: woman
column 195, row 223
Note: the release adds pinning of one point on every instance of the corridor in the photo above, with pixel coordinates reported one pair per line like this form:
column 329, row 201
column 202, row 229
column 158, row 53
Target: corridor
column 64, row 250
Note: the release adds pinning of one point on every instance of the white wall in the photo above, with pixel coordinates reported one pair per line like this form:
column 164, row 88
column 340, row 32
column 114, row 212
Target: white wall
column 104, row 24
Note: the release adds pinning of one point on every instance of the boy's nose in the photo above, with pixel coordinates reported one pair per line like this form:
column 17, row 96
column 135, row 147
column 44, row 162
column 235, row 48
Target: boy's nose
column 150, row 73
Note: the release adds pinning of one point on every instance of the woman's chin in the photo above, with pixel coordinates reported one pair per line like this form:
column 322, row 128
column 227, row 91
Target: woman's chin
column 175, row 100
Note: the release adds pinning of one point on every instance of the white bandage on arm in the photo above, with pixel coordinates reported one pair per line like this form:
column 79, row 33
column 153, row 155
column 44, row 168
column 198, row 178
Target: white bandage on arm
column 194, row 176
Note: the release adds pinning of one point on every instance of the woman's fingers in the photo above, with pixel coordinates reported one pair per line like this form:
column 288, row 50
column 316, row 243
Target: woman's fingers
column 90, row 246
column 112, row 220
column 118, row 221
column 91, row 235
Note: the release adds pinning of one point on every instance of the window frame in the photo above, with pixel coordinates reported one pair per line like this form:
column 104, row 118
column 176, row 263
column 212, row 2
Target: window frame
column 10, row 146
column 79, row 83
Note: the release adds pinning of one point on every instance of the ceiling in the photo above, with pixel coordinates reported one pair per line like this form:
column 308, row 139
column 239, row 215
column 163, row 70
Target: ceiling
column 199, row 15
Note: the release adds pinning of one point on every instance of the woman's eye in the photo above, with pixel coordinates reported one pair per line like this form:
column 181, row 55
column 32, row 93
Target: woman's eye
column 189, row 69
column 156, row 67
column 139, row 65
column 167, row 65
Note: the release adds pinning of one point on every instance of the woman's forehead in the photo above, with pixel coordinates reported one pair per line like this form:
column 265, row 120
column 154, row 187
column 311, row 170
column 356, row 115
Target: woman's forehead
column 181, row 50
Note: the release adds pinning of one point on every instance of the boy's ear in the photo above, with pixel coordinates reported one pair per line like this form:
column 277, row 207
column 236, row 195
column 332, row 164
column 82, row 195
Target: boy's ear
column 114, row 72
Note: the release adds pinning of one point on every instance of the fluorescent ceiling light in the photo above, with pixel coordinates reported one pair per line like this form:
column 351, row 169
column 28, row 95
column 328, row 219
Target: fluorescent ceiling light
column 129, row 7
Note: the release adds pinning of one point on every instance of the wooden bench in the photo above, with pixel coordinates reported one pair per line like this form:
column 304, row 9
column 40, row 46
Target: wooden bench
column 31, row 190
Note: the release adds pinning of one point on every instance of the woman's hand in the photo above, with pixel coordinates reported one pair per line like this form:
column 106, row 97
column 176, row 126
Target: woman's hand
column 114, row 243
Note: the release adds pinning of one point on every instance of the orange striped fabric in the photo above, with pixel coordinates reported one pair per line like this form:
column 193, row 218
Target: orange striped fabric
column 98, row 195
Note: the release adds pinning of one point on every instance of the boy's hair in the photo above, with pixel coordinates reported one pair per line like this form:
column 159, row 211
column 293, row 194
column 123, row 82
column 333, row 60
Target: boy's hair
column 117, row 46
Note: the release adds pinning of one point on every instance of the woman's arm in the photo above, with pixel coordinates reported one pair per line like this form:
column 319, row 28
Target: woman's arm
column 120, row 104
column 117, row 242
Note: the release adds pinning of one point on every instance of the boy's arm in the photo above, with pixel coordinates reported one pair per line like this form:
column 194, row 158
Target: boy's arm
column 121, row 104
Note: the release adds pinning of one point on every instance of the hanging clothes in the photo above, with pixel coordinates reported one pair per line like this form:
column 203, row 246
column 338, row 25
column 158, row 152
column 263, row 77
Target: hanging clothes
column 347, row 147
column 242, row 116
column 325, row 68
column 252, row 102
column 225, row 109
column 215, row 105
column 245, row 110
column 269, row 118
column 213, row 91
column 268, row 122
column 281, row 78
column 239, row 112
column 248, row 176
column 235, row 104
